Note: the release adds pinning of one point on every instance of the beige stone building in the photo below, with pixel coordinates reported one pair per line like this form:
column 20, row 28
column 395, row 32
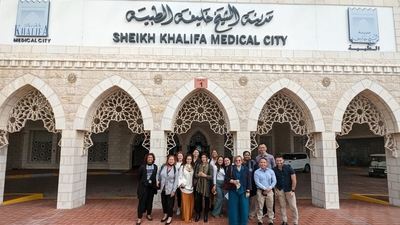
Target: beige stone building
column 107, row 81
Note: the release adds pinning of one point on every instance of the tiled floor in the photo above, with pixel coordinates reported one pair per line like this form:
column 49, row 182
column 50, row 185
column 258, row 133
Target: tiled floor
column 124, row 212
column 112, row 211
column 351, row 180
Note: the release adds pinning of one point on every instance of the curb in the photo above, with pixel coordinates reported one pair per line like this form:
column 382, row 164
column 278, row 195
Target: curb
column 369, row 198
column 30, row 197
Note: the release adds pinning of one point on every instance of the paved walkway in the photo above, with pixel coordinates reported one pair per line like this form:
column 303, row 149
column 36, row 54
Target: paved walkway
column 122, row 183
column 124, row 212
column 103, row 187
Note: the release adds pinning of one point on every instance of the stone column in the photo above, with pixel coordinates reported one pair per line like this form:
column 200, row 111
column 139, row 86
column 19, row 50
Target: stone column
column 3, row 165
column 393, row 173
column 324, row 176
column 73, row 171
column 158, row 146
column 242, row 142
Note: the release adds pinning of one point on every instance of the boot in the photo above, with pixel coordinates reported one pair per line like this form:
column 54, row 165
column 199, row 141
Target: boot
column 205, row 217
column 197, row 217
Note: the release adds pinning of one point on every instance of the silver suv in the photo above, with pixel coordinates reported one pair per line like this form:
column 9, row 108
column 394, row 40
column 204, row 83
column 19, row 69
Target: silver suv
column 297, row 160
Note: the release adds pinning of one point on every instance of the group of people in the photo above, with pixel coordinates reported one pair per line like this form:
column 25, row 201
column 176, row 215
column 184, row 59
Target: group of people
column 245, row 187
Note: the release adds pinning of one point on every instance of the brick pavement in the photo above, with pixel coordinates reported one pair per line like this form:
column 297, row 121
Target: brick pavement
column 124, row 212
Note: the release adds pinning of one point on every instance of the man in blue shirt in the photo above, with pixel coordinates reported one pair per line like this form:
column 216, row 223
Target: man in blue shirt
column 265, row 181
column 285, row 187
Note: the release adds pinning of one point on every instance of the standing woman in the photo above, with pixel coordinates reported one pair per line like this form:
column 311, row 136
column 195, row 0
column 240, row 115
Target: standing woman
column 205, row 174
column 239, row 194
column 147, row 187
column 227, row 164
column 185, row 184
column 220, row 191
column 179, row 156
column 167, row 180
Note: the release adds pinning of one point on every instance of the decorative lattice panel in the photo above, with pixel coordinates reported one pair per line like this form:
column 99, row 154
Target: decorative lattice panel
column 143, row 139
column 146, row 140
column 362, row 110
column 198, row 137
column 390, row 144
column 3, row 138
column 229, row 142
column 311, row 144
column 87, row 142
column 119, row 106
column 33, row 106
column 172, row 141
column 253, row 141
column 280, row 108
column 200, row 107
column 98, row 152
column 41, row 148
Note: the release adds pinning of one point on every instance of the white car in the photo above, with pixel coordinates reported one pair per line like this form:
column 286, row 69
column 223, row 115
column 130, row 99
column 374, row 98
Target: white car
column 297, row 160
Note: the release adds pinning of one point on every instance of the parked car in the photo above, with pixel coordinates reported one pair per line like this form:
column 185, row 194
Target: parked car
column 297, row 160
column 377, row 165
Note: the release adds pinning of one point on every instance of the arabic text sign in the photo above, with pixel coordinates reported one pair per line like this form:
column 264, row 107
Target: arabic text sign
column 224, row 18
column 363, row 25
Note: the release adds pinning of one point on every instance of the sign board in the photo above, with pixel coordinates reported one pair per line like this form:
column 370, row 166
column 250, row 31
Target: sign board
column 32, row 19
column 200, row 83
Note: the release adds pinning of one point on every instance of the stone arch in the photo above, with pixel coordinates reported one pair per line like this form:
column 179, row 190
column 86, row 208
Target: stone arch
column 93, row 98
column 180, row 96
column 19, row 87
column 306, row 103
column 379, row 96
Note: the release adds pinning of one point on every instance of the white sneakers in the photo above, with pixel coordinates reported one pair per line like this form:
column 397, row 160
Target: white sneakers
column 178, row 211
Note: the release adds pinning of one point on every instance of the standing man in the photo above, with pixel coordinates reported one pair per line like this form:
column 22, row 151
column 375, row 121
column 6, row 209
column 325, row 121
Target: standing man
column 285, row 187
column 262, row 148
column 251, row 165
column 265, row 180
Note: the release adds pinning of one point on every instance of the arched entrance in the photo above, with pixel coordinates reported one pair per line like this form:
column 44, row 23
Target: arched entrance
column 283, row 128
column 32, row 137
column 112, row 138
column 364, row 132
column 201, row 111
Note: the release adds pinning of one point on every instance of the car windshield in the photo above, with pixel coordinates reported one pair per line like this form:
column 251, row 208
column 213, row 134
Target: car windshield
column 377, row 160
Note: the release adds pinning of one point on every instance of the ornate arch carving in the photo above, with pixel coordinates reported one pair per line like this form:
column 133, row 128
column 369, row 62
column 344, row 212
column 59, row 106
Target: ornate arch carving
column 33, row 106
column 200, row 107
column 362, row 110
column 118, row 106
column 282, row 109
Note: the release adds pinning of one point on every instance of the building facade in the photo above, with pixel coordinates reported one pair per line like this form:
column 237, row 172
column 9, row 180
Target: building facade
column 97, row 84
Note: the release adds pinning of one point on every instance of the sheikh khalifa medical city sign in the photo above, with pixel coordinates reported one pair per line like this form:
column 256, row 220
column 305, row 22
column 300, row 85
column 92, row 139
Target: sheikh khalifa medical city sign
column 32, row 21
column 222, row 19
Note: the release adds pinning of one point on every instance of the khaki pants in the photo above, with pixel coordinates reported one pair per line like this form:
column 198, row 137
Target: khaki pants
column 269, row 201
column 283, row 197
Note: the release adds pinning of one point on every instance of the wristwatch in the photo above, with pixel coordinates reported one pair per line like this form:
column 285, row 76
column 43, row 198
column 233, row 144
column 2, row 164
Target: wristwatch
column 292, row 190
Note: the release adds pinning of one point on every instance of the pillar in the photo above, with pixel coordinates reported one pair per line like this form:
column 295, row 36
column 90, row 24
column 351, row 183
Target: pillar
column 3, row 165
column 393, row 173
column 73, row 171
column 158, row 146
column 242, row 142
column 324, row 175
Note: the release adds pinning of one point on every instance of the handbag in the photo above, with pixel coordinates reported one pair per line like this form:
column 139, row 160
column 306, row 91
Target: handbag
column 226, row 185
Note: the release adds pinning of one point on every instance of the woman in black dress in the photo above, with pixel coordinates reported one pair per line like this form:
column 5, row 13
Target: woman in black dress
column 147, row 187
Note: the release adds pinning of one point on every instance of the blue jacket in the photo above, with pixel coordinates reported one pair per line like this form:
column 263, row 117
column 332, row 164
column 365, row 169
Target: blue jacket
column 245, row 180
